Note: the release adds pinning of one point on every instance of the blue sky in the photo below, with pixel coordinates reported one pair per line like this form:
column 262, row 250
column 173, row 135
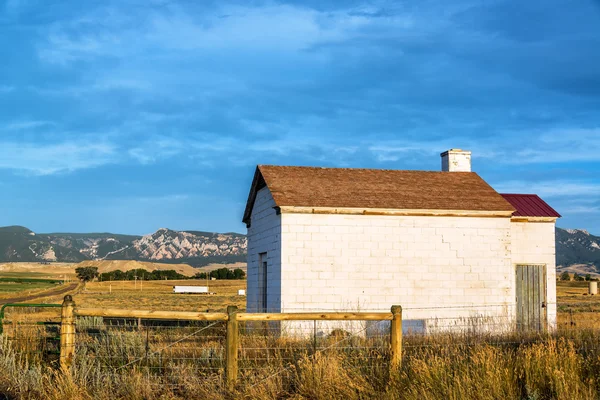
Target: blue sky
column 131, row 115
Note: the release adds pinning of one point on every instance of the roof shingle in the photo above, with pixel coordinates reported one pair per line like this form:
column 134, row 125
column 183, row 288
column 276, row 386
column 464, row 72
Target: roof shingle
column 374, row 188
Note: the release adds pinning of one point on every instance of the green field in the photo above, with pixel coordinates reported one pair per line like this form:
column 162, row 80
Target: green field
column 16, row 287
column 18, row 282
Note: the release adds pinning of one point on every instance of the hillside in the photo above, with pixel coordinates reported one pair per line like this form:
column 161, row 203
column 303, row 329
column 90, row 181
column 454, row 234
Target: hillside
column 123, row 265
column 574, row 248
column 19, row 244
column 577, row 251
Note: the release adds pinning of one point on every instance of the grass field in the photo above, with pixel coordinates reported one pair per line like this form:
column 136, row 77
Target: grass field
column 564, row 365
column 158, row 295
column 23, row 287
column 576, row 307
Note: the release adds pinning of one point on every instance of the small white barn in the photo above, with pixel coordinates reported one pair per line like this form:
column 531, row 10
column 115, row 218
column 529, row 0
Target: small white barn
column 444, row 245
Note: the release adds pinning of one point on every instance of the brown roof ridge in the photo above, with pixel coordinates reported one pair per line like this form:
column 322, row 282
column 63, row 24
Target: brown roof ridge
column 519, row 194
column 361, row 169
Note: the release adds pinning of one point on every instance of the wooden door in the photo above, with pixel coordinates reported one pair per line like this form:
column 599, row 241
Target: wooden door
column 531, row 298
column 262, row 283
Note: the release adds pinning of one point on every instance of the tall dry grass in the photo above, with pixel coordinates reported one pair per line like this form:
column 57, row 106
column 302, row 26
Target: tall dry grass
column 565, row 365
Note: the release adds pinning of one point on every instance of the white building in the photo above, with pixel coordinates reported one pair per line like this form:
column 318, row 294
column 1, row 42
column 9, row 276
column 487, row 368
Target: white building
column 444, row 245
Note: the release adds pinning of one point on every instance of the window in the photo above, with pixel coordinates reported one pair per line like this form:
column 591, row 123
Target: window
column 262, row 282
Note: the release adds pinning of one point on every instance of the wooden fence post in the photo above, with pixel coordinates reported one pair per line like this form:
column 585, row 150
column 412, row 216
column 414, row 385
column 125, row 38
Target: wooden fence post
column 231, row 347
column 396, row 338
column 67, row 333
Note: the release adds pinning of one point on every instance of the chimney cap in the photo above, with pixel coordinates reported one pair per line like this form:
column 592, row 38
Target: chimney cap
column 455, row 151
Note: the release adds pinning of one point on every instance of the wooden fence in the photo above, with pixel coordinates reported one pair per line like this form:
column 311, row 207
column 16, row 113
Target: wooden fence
column 232, row 318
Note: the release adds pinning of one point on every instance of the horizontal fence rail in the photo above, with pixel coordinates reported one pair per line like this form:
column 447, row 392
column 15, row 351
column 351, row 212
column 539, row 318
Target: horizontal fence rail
column 314, row 316
column 146, row 314
column 193, row 316
column 22, row 305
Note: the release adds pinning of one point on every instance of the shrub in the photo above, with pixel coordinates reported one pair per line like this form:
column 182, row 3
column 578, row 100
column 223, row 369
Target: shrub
column 565, row 276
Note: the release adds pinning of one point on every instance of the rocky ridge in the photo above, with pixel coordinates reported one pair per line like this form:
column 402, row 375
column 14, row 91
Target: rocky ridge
column 165, row 245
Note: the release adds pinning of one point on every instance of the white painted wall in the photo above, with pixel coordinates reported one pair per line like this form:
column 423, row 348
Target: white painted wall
column 534, row 243
column 264, row 236
column 426, row 264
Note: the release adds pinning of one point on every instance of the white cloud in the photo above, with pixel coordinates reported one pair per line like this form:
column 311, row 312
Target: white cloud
column 273, row 27
column 557, row 146
column 156, row 148
column 395, row 152
column 48, row 159
column 550, row 189
column 26, row 125
column 171, row 198
column 63, row 49
column 582, row 210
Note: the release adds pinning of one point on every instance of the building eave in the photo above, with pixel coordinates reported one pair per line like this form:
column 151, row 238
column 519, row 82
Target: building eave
column 258, row 183
column 393, row 212
column 533, row 219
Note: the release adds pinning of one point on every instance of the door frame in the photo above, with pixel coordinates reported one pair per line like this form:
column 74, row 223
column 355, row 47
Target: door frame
column 542, row 325
column 263, row 282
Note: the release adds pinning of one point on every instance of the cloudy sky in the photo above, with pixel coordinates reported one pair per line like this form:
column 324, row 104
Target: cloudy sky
column 130, row 115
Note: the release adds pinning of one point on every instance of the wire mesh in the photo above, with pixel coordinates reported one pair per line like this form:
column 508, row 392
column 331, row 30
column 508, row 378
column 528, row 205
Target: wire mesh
column 154, row 348
column 163, row 351
column 34, row 333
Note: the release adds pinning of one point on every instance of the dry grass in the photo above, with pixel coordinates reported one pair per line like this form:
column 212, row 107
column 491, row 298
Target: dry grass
column 575, row 307
column 158, row 295
column 565, row 365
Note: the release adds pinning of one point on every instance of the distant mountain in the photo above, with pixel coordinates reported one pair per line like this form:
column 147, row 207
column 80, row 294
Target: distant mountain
column 19, row 244
column 577, row 251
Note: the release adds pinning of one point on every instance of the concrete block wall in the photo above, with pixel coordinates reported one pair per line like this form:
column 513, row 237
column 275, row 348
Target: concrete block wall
column 534, row 243
column 264, row 236
column 440, row 268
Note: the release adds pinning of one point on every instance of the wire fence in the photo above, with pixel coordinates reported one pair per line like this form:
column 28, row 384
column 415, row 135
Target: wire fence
column 158, row 349
column 34, row 333
column 164, row 351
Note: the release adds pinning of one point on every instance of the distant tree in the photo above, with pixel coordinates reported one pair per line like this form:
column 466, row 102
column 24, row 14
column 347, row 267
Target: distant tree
column 239, row 273
column 86, row 274
column 222, row 273
column 141, row 273
column 588, row 277
column 577, row 277
column 565, row 276
column 200, row 275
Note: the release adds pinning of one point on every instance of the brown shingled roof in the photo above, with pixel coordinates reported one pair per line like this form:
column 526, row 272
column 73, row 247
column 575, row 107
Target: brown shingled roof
column 374, row 188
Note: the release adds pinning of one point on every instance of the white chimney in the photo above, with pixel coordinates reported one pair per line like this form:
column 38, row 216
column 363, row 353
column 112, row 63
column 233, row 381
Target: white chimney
column 456, row 160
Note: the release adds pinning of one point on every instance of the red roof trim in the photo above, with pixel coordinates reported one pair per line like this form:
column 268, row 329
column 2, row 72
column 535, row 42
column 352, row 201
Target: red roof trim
column 530, row 205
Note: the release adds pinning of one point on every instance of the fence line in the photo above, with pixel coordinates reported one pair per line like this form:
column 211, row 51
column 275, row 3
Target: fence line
column 232, row 319
column 218, row 345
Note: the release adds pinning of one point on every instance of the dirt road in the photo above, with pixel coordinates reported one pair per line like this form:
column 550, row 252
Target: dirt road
column 63, row 289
